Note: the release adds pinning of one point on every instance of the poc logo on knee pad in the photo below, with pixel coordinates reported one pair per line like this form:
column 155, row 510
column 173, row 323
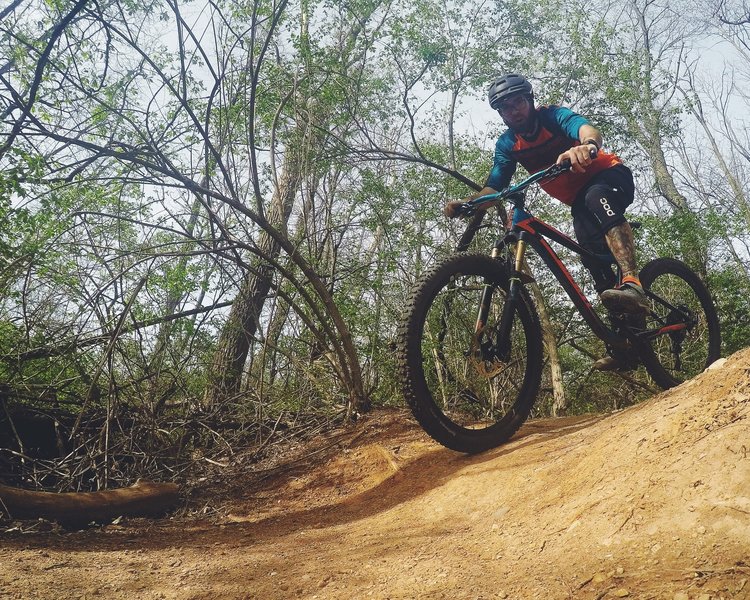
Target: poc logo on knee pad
column 607, row 208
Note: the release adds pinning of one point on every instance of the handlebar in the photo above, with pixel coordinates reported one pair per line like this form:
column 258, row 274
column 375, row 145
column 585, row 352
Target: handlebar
column 472, row 206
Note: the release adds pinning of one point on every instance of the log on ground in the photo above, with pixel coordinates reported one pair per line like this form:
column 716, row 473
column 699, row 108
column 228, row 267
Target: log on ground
column 144, row 498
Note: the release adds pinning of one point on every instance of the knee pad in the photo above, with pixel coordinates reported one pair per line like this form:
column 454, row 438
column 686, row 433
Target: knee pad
column 604, row 205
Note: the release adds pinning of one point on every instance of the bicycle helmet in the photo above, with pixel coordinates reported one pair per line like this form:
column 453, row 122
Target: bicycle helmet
column 508, row 85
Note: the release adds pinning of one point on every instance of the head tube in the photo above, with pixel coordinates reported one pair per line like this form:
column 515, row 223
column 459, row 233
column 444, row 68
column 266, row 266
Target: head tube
column 520, row 214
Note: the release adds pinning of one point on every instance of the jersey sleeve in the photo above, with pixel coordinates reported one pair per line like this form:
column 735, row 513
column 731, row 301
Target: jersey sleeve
column 503, row 166
column 569, row 121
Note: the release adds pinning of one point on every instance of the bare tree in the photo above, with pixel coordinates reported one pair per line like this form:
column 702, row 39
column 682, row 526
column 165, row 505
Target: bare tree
column 159, row 123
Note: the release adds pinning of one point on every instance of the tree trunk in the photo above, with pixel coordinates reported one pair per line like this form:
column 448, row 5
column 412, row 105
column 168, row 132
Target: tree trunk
column 377, row 278
column 559, row 402
column 244, row 317
column 692, row 248
column 156, row 399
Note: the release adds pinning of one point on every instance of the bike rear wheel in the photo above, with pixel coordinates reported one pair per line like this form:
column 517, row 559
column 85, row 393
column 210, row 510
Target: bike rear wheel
column 469, row 391
column 685, row 336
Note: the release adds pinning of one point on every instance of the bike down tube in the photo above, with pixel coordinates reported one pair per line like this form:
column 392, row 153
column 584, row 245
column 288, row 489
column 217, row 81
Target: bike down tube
column 533, row 230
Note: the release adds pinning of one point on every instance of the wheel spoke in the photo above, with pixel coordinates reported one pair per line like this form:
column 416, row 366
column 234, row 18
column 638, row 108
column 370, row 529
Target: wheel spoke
column 469, row 389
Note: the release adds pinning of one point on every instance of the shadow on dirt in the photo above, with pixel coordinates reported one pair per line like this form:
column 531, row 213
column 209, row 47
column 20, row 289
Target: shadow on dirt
column 417, row 476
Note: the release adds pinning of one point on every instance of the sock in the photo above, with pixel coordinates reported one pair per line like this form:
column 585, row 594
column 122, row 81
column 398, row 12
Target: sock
column 632, row 279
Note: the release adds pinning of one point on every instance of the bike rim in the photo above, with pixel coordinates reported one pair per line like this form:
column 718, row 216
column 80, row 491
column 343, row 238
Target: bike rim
column 681, row 335
column 473, row 380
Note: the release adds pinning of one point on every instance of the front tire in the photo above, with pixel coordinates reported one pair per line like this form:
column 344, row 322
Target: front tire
column 691, row 340
column 470, row 392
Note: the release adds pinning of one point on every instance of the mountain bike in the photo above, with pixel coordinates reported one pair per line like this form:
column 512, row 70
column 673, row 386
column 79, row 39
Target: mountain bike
column 470, row 351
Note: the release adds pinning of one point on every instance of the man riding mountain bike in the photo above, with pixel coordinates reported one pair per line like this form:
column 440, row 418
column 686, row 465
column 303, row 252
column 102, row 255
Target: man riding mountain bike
column 598, row 190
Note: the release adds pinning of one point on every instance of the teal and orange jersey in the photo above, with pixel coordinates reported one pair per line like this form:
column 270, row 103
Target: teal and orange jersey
column 558, row 132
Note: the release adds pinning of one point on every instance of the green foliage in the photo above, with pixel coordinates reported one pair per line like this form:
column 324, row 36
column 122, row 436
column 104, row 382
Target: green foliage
column 731, row 293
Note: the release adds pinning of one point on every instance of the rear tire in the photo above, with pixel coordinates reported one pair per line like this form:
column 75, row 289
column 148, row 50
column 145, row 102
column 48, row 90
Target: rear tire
column 674, row 357
column 467, row 391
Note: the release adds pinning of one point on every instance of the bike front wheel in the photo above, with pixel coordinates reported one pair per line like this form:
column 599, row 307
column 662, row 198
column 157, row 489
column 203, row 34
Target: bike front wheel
column 683, row 336
column 468, row 389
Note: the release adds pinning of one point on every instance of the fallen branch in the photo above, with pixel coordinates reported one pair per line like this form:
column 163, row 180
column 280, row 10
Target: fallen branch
column 145, row 498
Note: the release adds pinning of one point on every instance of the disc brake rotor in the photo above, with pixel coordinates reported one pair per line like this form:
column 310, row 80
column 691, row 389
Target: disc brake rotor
column 485, row 367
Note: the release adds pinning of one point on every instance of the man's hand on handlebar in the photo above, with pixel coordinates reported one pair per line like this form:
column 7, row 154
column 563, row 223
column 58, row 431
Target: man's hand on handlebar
column 580, row 157
column 452, row 209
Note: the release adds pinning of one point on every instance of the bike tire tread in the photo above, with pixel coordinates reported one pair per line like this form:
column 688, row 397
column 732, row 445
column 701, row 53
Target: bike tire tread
column 425, row 411
column 662, row 266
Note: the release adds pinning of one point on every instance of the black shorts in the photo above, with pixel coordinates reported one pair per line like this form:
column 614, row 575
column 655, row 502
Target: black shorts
column 601, row 205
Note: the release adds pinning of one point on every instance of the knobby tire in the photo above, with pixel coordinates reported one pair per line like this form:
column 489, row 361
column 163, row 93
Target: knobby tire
column 700, row 345
column 465, row 398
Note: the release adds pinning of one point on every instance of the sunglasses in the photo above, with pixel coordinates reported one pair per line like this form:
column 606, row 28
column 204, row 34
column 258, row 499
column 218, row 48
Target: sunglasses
column 512, row 104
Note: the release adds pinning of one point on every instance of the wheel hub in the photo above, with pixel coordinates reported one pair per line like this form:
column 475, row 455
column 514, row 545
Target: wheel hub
column 485, row 357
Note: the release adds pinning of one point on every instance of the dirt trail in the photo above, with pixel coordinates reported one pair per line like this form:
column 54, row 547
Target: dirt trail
column 650, row 502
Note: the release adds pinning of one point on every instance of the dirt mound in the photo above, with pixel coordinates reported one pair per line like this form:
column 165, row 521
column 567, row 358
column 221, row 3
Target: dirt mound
column 649, row 502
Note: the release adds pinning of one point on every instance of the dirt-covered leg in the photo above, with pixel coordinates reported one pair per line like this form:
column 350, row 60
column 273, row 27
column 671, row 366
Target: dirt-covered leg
column 621, row 244
column 629, row 297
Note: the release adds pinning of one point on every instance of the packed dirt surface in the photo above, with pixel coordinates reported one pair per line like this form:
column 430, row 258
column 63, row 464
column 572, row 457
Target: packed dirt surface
column 648, row 502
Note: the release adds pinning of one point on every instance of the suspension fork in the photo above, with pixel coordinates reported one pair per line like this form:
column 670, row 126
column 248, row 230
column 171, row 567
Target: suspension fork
column 506, row 320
